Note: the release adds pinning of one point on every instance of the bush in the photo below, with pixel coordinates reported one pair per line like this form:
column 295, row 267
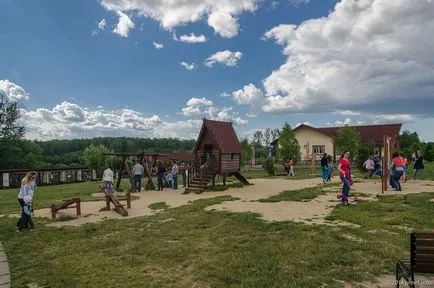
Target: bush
column 269, row 167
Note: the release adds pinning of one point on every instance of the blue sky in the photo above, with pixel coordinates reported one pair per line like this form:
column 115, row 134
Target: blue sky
column 78, row 76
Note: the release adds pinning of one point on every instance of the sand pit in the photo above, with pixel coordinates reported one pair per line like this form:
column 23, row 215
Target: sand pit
column 311, row 212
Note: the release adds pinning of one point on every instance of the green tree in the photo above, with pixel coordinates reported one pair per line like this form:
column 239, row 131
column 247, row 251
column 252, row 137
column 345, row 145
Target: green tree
column 246, row 151
column 365, row 150
column 269, row 166
column 429, row 152
column 11, row 132
column 288, row 146
column 347, row 138
column 94, row 156
column 407, row 139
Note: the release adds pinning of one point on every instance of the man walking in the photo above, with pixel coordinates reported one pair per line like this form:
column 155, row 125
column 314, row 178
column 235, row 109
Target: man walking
column 138, row 171
column 108, row 179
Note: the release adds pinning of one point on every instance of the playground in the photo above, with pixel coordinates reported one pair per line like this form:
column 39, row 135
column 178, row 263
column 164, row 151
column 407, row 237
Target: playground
column 265, row 231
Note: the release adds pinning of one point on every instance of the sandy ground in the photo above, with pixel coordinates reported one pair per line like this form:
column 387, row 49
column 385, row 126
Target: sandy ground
column 313, row 211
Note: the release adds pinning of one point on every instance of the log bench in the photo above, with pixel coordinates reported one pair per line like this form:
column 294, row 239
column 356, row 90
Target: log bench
column 421, row 258
column 66, row 204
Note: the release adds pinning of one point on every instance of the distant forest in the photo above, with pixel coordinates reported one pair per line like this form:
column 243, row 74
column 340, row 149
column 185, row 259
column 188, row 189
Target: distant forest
column 69, row 153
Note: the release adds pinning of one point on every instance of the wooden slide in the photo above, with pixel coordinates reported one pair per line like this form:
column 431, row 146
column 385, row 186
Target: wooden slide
column 110, row 198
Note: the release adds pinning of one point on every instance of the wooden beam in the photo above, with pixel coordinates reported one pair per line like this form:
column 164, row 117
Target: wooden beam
column 121, row 173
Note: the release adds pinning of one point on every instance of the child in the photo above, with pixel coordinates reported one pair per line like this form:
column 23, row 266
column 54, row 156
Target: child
column 26, row 221
column 291, row 165
column 330, row 167
column 169, row 178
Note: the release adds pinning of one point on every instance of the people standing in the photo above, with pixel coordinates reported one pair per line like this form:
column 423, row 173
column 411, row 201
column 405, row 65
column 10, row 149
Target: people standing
column 184, row 175
column 160, row 175
column 324, row 167
column 108, row 179
column 418, row 166
column 413, row 157
column 345, row 175
column 175, row 171
column 398, row 166
column 138, row 172
column 28, row 185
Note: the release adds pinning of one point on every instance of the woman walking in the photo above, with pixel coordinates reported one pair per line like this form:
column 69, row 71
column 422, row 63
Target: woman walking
column 418, row 166
column 345, row 175
column 324, row 168
column 398, row 168
column 28, row 185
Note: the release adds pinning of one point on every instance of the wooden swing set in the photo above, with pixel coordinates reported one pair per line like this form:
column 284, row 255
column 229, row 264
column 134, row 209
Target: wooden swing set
column 390, row 144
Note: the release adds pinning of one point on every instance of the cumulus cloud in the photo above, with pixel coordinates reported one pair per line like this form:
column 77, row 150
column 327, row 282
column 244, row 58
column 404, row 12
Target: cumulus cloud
column 371, row 55
column 101, row 24
column 192, row 38
column 158, row 45
column 68, row 120
column 220, row 15
column 249, row 95
column 188, row 66
column 12, row 91
column 225, row 57
column 124, row 25
column 225, row 94
column 298, row 2
column 195, row 105
column 251, row 115
column 199, row 102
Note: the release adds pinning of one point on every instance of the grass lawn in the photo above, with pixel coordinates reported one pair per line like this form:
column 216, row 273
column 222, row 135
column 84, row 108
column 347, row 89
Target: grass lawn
column 299, row 195
column 190, row 247
column 300, row 173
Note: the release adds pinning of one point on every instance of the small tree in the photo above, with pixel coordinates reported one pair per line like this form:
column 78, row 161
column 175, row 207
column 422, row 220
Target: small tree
column 269, row 166
column 347, row 138
column 94, row 157
column 288, row 146
column 246, row 152
column 365, row 150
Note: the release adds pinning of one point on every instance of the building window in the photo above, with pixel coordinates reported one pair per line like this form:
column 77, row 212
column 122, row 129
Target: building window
column 232, row 156
column 318, row 149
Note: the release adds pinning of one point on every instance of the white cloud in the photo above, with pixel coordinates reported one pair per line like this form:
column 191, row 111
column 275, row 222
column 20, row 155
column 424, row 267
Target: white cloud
column 124, row 25
column 251, row 115
column 298, row 2
column 188, row 66
column 225, row 94
column 347, row 121
column 364, row 56
column 158, row 45
column 347, row 113
column 101, row 24
column 226, row 57
column 192, row 38
column 249, row 95
column 274, row 4
column 199, row 102
column 221, row 15
column 12, row 91
column 67, row 120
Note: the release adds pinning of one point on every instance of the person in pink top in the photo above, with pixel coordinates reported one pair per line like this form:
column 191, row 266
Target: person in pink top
column 345, row 175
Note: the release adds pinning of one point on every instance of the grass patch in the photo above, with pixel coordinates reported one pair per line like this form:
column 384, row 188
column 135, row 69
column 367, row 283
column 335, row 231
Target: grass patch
column 219, row 188
column 159, row 206
column 300, row 173
column 296, row 195
column 360, row 194
column 216, row 249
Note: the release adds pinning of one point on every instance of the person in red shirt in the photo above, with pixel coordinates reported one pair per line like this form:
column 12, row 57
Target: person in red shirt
column 345, row 175
column 398, row 167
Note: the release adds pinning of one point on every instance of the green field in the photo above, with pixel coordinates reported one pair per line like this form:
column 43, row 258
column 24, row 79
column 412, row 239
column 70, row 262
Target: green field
column 191, row 247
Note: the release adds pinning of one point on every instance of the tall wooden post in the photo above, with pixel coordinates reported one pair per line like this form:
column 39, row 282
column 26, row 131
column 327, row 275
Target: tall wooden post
column 78, row 204
column 128, row 200
column 107, row 203
column 121, row 173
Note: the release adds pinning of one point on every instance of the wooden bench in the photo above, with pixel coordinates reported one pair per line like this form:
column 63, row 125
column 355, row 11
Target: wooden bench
column 421, row 258
column 65, row 204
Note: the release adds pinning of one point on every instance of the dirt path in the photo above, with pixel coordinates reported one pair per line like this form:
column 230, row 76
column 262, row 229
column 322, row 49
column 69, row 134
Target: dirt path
column 308, row 212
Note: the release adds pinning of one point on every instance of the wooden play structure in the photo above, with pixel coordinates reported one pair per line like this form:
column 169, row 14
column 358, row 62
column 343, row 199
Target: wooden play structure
column 390, row 145
column 217, row 152
column 110, row 198
column 66, row 204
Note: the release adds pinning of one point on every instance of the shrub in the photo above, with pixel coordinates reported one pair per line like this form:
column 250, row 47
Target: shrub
column 269, row 166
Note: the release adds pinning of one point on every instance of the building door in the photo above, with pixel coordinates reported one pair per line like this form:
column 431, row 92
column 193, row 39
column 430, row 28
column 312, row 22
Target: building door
column 208, row 152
